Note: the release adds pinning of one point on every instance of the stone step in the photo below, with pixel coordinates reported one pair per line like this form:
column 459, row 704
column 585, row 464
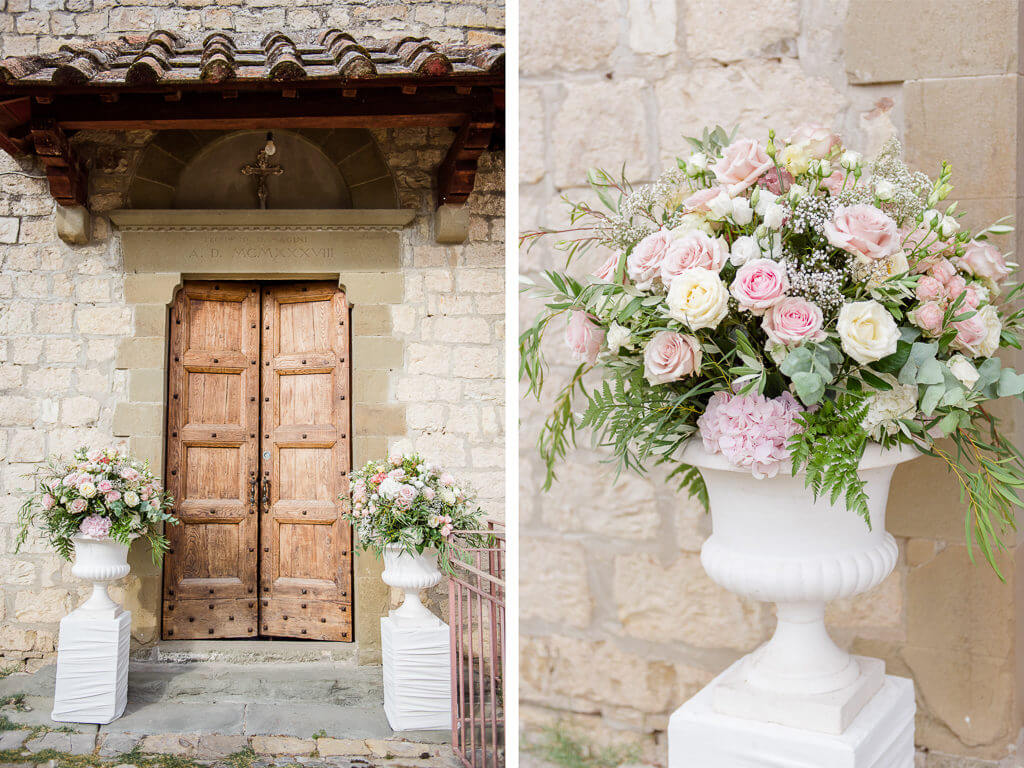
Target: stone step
column 247, row 651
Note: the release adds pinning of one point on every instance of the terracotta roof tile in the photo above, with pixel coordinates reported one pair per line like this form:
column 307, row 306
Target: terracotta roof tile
column 166, row 58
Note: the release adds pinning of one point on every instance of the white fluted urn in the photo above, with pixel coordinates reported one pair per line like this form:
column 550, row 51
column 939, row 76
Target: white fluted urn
column 411, row 573
column 100, row 561
column 772, row 542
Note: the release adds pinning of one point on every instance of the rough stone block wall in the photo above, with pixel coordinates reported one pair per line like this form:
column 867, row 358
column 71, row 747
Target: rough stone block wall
column 64, row 311
column 619, row 622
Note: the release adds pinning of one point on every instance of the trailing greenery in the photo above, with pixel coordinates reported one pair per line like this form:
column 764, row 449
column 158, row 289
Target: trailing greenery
column 559, row 746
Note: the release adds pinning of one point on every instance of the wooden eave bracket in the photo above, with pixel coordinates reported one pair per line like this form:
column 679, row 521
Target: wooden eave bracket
column 14, row 117
column 64, row 171
column 456, row 176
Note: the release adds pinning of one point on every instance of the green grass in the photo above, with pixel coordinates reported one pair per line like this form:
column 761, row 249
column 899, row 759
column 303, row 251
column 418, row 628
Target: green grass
column 557, row 745
column 15, row 701
column 243, row 759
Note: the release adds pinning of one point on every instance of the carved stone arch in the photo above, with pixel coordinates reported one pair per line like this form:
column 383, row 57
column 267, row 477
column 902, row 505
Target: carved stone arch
column 326, row 169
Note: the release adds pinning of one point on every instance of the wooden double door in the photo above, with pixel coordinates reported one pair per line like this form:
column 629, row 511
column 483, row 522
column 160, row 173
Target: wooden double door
column 258, row 435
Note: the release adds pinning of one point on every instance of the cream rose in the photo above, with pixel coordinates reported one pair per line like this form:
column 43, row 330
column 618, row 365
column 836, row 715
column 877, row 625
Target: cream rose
column 698, row 298
column 862, row 230
column 741, row 165
column 867, row 331
column 671, row 356
column 964, row 370
column 818, row 140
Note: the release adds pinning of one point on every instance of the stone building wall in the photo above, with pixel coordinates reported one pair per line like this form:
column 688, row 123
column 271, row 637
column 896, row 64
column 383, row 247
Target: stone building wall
column 64, row 310
column 619, row 622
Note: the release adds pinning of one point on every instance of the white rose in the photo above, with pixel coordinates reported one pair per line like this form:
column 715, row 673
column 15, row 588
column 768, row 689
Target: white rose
column 698, row 298
column 824, row 168
column 696, row 164
column 867, row 331
column 964, row 370
column 389, row 488
column 993, row 330
column 886, row 408
column 87, row 490
column 884, row 189
column 743, row 250
column 773, row 216
column 949, row 226
column 617, row 338
column 741, row 212
column 721, row 206
column 447, row 495
column 764, row 199
column 131, row 498
column 850, row 159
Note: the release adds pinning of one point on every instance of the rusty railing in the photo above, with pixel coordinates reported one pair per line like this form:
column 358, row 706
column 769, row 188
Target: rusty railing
column 476, row 608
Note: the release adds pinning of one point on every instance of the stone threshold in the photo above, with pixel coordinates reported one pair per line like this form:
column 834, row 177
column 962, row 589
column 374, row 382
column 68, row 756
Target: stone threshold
column 246, row 651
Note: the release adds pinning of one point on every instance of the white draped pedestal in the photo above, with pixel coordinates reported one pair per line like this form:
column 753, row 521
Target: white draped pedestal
column 417, row 673
column 880, row 736
column 92, row 666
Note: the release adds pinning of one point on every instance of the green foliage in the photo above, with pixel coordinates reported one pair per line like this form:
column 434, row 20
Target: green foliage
column 829, row 450
column 811, row 367
column 559, row 746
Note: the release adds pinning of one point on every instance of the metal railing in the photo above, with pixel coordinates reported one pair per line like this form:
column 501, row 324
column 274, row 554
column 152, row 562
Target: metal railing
column 476, row 607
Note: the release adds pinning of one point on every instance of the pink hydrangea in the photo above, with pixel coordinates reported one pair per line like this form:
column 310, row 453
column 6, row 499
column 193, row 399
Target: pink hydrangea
column 95, row 527
column 751, row 431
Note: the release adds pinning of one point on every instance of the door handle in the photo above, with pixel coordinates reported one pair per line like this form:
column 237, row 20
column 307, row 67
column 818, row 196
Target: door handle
column 253, row 482
column 266, row 494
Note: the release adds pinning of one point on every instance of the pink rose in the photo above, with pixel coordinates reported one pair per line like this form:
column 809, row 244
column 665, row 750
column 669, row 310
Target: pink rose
column 928, row 317
column 406, row 495
column 670, row 356
column 955, row 286
column 48, row 502
column 428, row 494
column 942, row 270
column 78, row 506
column 104, row 486
column 775, row 182
column 112, row 496
column 818, row 139
column 607, row 270
column 759, row 284
column 970, row 333
column 584, row 337
column 701, row 199
column 792, row 321
column 644, row 262
column 693, row 249
column 984, row 260
column 862, row 230
column 741, row 165
column 973, row 297
column 929, row 289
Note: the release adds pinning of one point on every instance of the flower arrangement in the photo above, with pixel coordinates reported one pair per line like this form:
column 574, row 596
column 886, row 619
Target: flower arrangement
column 99, row 494
column 788, row 303
column 408, row 501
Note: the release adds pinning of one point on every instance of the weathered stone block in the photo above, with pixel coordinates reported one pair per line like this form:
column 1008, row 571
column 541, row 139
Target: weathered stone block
column 733, row 30
column 340, row 747
column 137, row 419
column 105, row 321
column 47, row 605
column 371, row 320
column 379, row 419
column 377, row 352
column 151, row 287
column 982, row 150
column 677, row 601
column 451, row 224
column 73, row 224
column 885, row 41
column 554, row 584
column 141, row 352
column 574, row 39
column 653, row 26
column 151, row 319
column 282, row 745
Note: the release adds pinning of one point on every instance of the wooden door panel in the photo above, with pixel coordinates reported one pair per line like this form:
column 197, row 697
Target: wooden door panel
column 210, row 575
column 305, row 569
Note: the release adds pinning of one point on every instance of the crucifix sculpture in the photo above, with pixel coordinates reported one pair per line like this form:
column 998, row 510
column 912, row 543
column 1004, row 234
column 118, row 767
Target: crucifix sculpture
column 262, row 168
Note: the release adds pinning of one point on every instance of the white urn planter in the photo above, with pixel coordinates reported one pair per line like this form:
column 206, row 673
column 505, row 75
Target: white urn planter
column 415, row 646
column 771, row 541
column 412, row 573
column 92, row 651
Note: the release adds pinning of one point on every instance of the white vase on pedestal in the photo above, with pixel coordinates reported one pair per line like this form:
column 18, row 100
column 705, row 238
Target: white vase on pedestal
column 799, row 693
column 92, row 652
column 412, row 574
column 415, row 646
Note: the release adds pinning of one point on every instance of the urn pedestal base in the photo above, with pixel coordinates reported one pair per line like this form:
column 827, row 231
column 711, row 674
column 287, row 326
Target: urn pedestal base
column 416, row 658
column 92, row 666
column 881, row 735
